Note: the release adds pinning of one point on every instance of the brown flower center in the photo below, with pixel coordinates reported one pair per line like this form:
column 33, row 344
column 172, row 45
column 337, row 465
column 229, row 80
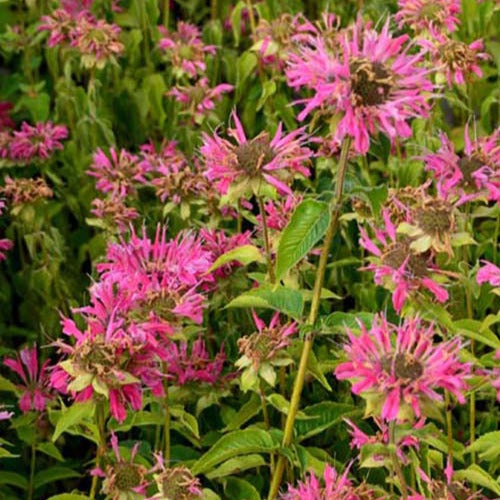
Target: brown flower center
column 406, row 367
column 371, row 82
column 177, row 482
column 434, row 220
column 127, row 476
column 468, row 165
column 252, row 155
column 416, row 265
column 457, row 54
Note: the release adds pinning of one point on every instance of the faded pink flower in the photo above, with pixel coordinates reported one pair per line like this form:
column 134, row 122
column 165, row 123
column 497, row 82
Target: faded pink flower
column 36, row 142
column 114, row 211
column 185, row 49
column 22, row 191
column 457, row 59
column 60, row 24
column 399, row 369
column 194, row 364
column 119, row 174
column 463, row 176
column 422, row 15
column 247, row 163
column 489, row 273
column 123, row 478
column 370, row 79
column 5, row 140
column 197, row 100
column 335, row 487
column 35, row 390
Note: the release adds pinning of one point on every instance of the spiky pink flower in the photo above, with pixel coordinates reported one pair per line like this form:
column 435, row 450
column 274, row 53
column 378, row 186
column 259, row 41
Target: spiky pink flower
column 457, row 59
column 399, row 369
column 489, row 273
column 336, row 487
column 119, row 174
column 249, row 162
column 193, row 364
column 399, row 268
column 123, row 478
column 59, row 24
column 462, row 176
column 278, row 213
column 197, row 100
column 422, row 15
column 185, row 49
column 6, row 122
column 370, row 79
column 5, row 246
column 36, row 142
column 35, row 390
column 114, row 211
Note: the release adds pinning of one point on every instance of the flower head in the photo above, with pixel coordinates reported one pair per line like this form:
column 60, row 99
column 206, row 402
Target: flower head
column 279, row 213
column 370, row 79
column 35, row 390
column 423, row 15
column 399, row 369
column 186, row 49
column 36, row 142
column 114, row 212
column 489, row 273
column 22, row 191
column 244, row 164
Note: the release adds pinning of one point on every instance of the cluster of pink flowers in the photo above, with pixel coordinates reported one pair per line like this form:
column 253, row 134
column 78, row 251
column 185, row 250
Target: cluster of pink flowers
column 246, row 164
column 399, row 368
column 96, row 41
column 32, row 142
column 35, row 389
column 370, row 80
column 425, row 15
column 185, row 50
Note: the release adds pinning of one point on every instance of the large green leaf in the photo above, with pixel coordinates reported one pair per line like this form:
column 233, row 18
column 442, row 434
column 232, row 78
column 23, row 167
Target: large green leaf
column 476, row 475
column 279, row 298
column 245, row 413
column 239, row 489
column 488, row 446
column 52, row 474
column 325, row 415
column 236, row 465
column 73, row 416
column 13, row 479
column 245, row 254
column 306, row 227
column 234, row 444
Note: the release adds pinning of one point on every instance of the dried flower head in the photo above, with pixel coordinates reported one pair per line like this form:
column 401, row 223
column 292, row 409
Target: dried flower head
column 22, row 191
column 113, row 211
column 398, row 369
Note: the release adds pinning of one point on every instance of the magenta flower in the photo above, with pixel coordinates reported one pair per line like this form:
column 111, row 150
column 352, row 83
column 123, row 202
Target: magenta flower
column 398, row 369
column 457, row 59
column 398, row 267
column 114, row 211
column 123, row 478
column 193, row 365
column 424, row 15
column 185, row 49
column 35, row 391
column 336, row 487
column 372, row 81
column 6, row 122
column 279, row 213
column 36, row 142
column 462, row 176
column 489, row 273
column 60, row 24
column 197, row 100
column 178, row 479
column 118, row 174
column 246, row 164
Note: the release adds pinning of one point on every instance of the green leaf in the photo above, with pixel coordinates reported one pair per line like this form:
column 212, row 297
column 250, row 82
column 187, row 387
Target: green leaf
column 236, row 465
column 306, row 227
column 476, row 475
column 236, row 21
column 325, row 415
column 234, row 444
column 279, row 298
column 268, row 89
column 477, row 331
column 245, row 66
column 13, row 479
column 7, row 385
column 245, row 254
column 53, row 474
column 488, row 446
column 239, row 489
column 251, row 408
column 73, row 416
column 50, row 449
column 69, row 496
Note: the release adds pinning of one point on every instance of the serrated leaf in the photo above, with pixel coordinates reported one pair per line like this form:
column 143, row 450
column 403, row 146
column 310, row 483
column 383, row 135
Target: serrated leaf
column 235, row 443
column 488, row 446
column 476, row 475
column 245, row 255
column 306, row 227
column 237, row 465
column 71, row 417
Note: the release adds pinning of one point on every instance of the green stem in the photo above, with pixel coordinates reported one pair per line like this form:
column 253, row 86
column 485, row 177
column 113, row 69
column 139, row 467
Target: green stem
column 267, row 242
column 267, row 421
column 31, row 486
column 449, row 425
column 100, row 421
column 251, row 16
column 495, row 239
column 166, row 423
column 308, row 342
column 395, row 461
column 166, row 13
column 213, row 10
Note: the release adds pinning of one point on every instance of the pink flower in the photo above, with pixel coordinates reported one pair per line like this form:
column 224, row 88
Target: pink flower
column 247, row 163
column 5, row 245
column 198, row 99
column 76, row 6
column 6, row 122
column 279, row 213
column 36, row 142
column 335, row 487
column 177, row 479
column 114, row 211
column 457, row 59
column 422, row 15
column 5, row 415
column 371, row 80
column 185, row 49
column 60, row 25
column 22, row 191
column 462, row 176
column 195, row 365
column 489, row 273
column 120, row 174
column 35, row 391
column 400, row 368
